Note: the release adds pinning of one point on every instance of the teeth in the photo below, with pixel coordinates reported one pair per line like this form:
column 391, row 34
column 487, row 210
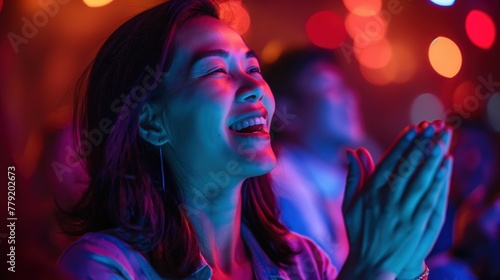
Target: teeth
column 248, row 122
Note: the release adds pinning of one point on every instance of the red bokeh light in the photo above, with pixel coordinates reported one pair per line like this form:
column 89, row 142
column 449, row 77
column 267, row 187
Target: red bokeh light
column 363, row 7
column 326, row 29
column 480, row 29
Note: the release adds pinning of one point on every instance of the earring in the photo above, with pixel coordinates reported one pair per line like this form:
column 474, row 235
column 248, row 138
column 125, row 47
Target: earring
column 162, row 170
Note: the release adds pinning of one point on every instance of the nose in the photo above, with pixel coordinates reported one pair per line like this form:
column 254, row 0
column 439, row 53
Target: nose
column 250, row 90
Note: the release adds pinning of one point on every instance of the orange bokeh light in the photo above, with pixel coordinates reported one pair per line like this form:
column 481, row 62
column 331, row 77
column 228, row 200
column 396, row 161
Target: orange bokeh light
column 235, row 15
column 445, row 57
column 367, row 29
column 378, row 77
column 271, row 51
column 480, row 29
column 375, row 55
column 97, row 3
column 363, row 7
column 405, row 63
column 400, row 69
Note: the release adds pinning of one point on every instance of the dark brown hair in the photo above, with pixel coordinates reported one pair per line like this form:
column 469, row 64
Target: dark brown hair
column 124, row 193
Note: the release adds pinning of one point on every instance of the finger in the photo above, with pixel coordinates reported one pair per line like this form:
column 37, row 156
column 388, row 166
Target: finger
column 366, row 160
column 423, row 124
column 435, row 197
column 443, row 198
column 409, row 163
column 354, row 179
column 425, row 174
column 438, row 216
column 392, row 156
column 436, row 220
column 440, row 124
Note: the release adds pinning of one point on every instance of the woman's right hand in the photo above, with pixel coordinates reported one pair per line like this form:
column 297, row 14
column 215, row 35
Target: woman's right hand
column 390, row 212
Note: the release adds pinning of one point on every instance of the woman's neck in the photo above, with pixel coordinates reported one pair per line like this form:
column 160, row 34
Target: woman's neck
column 217, row 223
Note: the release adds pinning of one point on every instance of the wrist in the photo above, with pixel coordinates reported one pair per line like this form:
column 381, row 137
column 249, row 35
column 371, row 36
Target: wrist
column 417, row 272
column 357, row 269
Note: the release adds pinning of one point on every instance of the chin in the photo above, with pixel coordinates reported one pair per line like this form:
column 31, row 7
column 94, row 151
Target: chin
column 260, row 163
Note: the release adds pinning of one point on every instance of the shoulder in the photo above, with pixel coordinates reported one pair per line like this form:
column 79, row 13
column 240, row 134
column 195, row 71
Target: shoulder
column 102, row 255
column 311, row 259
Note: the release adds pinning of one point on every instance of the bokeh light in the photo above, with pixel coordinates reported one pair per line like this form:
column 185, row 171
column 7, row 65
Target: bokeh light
column 480, row 29
column 363, row 7
column 326, row 29
column 378, row 77
column 426, row 107
column 403, row 63
column 444, row 3
column 272, row 51
column 375, row 55
column 97, row 3
column 445, row 57
column 235, row 15
column 400, row 69
column 466, row 88
column 1, row 5
column 493, row 111
column 366, row 29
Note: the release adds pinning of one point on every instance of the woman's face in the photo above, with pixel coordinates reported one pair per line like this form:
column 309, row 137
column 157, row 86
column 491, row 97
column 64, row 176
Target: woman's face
column 219, row 108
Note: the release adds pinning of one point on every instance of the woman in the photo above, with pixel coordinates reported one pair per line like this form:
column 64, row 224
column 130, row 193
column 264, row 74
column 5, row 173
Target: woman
column 177, row 175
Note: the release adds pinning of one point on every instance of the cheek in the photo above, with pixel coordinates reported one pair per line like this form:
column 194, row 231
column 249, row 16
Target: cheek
column 268, row 101
column 196, row 122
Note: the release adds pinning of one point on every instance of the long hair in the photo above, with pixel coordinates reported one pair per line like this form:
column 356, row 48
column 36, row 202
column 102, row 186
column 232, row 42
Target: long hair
column 124, row 193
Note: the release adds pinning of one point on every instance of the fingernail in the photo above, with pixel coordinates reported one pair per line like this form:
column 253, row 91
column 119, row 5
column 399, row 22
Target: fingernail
column 439, row 124
column 423, row 124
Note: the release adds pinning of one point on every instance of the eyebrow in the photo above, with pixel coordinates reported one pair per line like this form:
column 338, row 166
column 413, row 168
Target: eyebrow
column 217, row 52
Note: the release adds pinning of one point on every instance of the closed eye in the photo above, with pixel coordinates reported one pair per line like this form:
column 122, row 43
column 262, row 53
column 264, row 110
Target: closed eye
column 217, row 70
column 254, row 70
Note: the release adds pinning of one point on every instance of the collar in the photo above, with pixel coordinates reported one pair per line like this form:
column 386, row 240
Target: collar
column 263, row 267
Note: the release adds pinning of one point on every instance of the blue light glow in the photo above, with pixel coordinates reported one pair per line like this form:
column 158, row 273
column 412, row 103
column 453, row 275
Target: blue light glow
column 444, row 3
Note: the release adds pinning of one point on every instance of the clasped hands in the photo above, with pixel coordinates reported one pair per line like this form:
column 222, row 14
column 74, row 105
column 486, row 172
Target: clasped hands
column 393, row 213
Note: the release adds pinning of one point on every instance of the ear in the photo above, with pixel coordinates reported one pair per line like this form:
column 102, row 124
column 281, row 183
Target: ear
column 151, row 125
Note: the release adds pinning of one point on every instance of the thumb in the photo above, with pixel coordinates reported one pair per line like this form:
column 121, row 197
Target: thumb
column 366, row 160
column 354, row 179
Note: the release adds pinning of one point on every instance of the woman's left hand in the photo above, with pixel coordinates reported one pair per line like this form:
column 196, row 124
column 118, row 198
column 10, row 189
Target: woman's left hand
column 415, row 266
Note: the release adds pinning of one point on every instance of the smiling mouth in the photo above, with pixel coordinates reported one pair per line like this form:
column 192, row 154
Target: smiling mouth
column 252, row 125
